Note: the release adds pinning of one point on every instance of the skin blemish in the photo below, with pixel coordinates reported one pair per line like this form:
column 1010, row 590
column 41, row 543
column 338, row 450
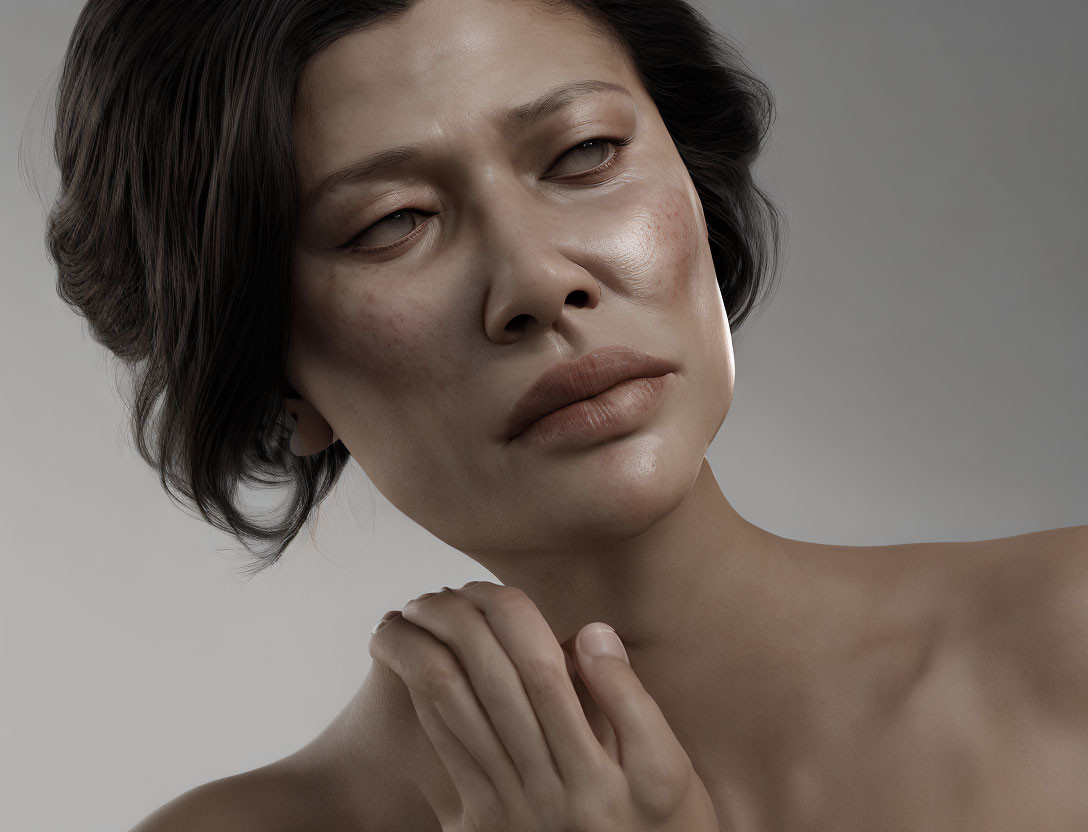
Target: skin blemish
column 417, row 355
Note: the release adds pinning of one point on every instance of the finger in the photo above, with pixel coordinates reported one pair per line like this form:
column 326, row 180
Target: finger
column 598, row 722
column 473, row 785
column 649, row 752
column 459, row 624
column 568, row 648
column 432, row 672
column 532, row 646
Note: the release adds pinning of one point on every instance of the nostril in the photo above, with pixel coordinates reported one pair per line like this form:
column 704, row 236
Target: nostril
column 517, row 323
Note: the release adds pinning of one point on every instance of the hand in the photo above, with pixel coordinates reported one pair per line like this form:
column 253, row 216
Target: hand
column 494, row 692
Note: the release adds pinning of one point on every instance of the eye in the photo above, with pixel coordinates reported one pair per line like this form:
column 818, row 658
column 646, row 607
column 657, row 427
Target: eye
column 618, row 144
column 400, row 214
column 397, row 220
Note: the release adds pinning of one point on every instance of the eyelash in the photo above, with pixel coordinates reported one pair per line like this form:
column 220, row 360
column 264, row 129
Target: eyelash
column 608, row 164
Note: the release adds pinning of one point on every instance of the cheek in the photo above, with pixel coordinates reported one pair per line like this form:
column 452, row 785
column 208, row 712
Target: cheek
column 361, row 334
column 663, row 243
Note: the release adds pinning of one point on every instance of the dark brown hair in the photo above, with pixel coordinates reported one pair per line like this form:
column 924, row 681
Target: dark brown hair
column 174, row 226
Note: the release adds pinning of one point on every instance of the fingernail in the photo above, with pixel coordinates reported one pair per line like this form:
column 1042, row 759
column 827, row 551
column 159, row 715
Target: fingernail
column 601, row 640
column 389, row 616
column 470, row 583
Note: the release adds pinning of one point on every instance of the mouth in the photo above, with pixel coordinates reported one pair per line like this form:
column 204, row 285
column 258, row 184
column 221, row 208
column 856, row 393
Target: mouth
column 583, row 379
column 614, row 413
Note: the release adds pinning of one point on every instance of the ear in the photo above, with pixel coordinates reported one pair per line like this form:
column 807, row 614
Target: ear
column 311, row 433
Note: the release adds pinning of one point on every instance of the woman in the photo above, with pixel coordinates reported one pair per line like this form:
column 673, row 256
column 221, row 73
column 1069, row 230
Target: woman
column 419, row 233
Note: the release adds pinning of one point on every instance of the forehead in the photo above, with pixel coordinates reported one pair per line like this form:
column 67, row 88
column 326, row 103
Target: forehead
column 446, row 70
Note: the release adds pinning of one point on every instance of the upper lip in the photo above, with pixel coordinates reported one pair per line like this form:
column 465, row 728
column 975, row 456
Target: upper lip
column 583, row 378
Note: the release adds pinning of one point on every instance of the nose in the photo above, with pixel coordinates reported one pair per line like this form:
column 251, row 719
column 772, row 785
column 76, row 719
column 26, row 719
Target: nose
column 534, row 256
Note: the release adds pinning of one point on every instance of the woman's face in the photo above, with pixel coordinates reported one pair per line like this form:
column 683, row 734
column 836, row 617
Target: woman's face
column 513, row 254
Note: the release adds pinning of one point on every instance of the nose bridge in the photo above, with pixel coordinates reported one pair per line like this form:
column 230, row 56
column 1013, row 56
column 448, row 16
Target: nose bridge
column 519, row 233
column 509, row 214
column 501, row 197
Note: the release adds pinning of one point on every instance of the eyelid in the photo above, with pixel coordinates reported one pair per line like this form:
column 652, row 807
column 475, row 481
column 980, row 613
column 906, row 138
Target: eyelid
column 619, row 146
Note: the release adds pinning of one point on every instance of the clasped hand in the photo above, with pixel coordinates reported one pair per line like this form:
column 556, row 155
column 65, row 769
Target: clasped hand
column 495, row 692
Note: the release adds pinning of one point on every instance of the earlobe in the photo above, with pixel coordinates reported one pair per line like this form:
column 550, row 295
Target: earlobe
column 310, row 433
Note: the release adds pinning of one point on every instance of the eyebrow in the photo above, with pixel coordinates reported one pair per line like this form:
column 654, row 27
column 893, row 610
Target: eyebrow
column 520, row 117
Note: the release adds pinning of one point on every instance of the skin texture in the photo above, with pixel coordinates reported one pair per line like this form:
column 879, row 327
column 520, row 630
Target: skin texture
column 760, row 650
column 414, row 357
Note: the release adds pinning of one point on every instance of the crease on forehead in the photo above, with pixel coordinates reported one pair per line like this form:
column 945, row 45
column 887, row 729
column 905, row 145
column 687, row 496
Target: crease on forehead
column 303, row 108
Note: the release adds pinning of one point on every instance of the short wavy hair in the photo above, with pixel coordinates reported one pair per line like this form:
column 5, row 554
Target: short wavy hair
column 174, row 226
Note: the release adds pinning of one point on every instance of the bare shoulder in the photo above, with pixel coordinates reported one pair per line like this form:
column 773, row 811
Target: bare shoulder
column 359, row 775
column 1032, row 613
column 1020, row 576
column 262, row 800
column 415, row 786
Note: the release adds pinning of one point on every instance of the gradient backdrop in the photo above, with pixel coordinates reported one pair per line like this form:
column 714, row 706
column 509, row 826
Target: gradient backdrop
column 920, row 375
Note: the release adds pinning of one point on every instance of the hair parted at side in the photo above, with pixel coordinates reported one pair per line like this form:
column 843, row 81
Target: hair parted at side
column 173, row 229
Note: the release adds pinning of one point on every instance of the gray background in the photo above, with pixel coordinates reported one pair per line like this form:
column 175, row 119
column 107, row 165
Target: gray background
column 920, row 375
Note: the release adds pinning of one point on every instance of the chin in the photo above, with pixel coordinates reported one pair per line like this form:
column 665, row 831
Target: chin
column 638, row 481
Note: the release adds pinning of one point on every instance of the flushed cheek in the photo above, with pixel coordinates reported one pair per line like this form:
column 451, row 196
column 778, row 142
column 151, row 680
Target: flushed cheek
column 377, row 339
column 660, row 248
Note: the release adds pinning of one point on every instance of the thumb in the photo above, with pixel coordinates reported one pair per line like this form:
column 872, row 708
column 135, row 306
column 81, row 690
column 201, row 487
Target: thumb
column 642, row 732
column 598, row 649
column 598, row 722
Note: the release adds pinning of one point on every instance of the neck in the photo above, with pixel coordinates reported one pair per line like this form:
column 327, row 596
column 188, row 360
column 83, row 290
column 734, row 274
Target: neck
column 695, row 576
column 723, row 623
column 710, row 609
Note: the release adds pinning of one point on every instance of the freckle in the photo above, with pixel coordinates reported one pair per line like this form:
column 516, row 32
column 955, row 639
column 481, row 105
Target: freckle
column 679, row 237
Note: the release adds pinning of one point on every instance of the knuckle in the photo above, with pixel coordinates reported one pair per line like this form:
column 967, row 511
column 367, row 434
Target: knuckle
column 661, row 781
column 509, row 600
column 546, row 672
column 440, row 679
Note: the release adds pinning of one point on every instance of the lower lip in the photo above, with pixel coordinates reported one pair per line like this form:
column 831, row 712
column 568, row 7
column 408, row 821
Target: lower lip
column 607, row 415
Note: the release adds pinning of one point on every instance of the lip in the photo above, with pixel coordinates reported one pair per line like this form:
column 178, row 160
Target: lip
column 585, row 377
